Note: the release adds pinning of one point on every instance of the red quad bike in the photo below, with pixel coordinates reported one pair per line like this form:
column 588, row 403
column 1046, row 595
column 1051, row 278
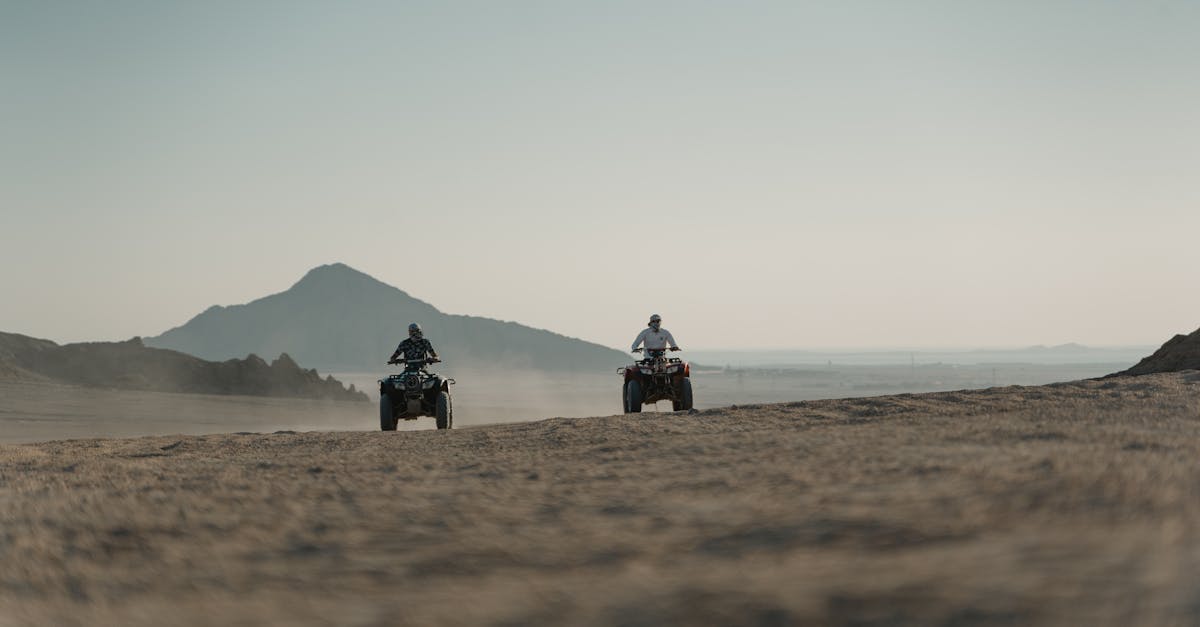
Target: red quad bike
column 657, row 378
column 414, row 393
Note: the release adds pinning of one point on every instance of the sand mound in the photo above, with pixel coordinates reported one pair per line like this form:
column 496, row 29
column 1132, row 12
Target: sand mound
column 1181, row 352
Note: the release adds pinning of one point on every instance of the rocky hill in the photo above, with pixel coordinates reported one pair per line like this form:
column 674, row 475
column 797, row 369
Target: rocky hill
column 133, row 366
column 1181, row 352
column 338, row 318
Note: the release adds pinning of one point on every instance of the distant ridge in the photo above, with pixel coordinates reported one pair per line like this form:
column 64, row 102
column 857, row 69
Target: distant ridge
column 131, row 365
column 339, row 318
column 1068, row 347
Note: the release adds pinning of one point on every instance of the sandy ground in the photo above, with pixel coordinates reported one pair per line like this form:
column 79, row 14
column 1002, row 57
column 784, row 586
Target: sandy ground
column 39, row 411
column 1075, row 503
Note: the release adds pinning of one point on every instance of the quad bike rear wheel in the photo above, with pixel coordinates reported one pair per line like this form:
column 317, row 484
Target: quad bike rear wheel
column 387, row 415
column 445, row 411
column 633, row 397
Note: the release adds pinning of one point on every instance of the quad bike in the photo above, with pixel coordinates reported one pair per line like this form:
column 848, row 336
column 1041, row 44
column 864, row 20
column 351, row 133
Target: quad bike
column 657, row 378
column 414, row 393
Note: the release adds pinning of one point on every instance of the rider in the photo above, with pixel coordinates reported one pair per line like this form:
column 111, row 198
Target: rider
column 655, row 338
column 416, row 347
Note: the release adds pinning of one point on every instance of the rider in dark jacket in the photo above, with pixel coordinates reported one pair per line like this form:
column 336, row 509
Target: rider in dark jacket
column 415, row 347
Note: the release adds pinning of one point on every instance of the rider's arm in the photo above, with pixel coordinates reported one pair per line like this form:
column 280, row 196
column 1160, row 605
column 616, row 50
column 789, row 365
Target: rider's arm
column 671, row 339
column 429, row 347
column 638, row 340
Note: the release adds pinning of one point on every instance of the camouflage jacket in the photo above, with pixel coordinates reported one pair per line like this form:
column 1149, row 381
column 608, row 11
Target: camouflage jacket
column 414, row 349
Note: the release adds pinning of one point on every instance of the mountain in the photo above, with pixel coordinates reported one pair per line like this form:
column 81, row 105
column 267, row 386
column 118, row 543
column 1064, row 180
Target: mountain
column 1181, row 352
column 131, row 365
column 342, row 319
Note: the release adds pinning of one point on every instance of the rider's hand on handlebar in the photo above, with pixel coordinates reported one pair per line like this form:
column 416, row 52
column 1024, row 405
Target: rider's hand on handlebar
column 675, row 348
column 636, row 350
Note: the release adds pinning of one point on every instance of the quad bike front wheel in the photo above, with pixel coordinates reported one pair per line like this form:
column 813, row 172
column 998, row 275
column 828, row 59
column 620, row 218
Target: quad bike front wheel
column 387, row 415
column 633, row 397
column 445, row 411
column 625, row 397
column 685, row 396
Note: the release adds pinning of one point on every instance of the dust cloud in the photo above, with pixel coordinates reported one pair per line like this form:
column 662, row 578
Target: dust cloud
column 518, row 395
column 515, row 395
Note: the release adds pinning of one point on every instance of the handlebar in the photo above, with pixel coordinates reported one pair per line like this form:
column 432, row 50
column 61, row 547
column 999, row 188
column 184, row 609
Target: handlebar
column 428, row 360
column 672, row 349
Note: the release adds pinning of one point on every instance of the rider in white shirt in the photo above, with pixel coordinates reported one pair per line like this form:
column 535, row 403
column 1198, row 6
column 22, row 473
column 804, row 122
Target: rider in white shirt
column 655, row 337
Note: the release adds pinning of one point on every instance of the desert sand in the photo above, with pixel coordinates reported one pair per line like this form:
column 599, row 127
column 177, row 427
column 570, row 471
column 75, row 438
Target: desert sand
column 1073, row 503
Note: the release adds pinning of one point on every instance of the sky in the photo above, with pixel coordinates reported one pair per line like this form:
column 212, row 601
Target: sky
column 928, row 173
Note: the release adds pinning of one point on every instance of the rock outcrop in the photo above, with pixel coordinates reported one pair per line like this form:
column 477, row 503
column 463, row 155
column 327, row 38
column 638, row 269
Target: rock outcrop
column 1181, row 352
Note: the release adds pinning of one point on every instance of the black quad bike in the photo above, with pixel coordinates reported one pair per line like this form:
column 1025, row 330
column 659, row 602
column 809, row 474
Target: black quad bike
column 657, row 378
column 414, row 393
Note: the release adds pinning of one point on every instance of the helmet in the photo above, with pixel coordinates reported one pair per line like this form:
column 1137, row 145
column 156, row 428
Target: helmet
column 655, row 320
column 414, row 330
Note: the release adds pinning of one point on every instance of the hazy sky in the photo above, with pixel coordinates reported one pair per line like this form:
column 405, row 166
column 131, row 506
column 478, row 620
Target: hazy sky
column 792, row 174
